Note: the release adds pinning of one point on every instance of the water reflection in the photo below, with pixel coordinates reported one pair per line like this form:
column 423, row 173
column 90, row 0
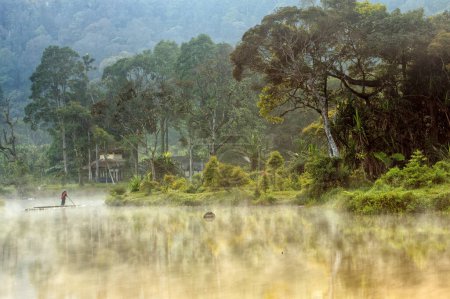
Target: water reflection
column 263, row 252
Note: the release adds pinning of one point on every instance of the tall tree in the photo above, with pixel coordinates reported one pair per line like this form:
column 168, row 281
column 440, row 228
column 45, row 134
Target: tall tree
column 293, row 48
column 132, row 108
column 8, row 138
column 59, row 79
column 218, row 104
column 163, row 62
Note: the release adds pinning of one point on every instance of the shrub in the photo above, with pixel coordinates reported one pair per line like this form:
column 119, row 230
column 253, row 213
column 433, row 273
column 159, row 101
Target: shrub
column 379, row 202
column 416, row 173
column 211, row 173
column 220, row 175
column 165, row 165
column 264, row 182
column 441, row 202
column 275, row 161
column 134, row 184
column 148, row 186
column 324, row 173
column 175, row 183
column 195, row 185
column 118, row 190
column 232, row 176
column 274, row 165
column 257, row 193
column 442, row 170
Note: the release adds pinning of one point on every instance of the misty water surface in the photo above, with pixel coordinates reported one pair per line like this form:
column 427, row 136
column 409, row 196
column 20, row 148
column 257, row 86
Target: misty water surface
column 246, row 252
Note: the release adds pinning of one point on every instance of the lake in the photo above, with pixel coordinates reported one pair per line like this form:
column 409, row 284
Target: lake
column 95, row 251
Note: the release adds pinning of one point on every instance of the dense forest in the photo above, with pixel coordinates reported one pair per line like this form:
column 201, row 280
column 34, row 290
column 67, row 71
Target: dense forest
column 110, row 30
column 357, row 88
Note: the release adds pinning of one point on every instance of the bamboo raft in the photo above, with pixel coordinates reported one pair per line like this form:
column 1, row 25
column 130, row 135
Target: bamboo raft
column 51, row 207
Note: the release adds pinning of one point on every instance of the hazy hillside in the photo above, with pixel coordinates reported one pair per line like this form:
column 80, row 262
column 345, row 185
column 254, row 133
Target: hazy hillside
column 106, row 28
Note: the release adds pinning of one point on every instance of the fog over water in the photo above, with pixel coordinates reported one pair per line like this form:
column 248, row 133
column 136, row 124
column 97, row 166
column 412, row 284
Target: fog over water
column 95, row 251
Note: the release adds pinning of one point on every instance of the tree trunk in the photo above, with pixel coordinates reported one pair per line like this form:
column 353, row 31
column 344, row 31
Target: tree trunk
column 152, row 168
column 163, row 136
column 167, row 136
column 97, row 166
column 89, row 157
column 136, row 160
column 332, row 147
column 64, row 147
column 213, row 135
column 190, row 159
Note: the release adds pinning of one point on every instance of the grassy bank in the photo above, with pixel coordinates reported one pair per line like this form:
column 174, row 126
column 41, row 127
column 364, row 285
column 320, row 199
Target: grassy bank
column 230, row 197
column 417, row 187
column 386, row 199
column 375, row 200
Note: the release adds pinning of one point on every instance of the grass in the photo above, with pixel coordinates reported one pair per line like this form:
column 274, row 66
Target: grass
column 386, row 199
column 379, row 199
column 229, row 197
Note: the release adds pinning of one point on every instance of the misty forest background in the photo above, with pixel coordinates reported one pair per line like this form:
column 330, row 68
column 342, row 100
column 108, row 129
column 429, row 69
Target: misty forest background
column 155, row 80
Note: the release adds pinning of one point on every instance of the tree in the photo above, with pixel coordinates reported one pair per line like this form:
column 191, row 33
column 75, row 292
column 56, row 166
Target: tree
column 274, row 164
column 78, row 125
column 58, row 80
column 133, row 108
column 163, row 62
column 218, row 106
column 8, row 138
column 293, row 48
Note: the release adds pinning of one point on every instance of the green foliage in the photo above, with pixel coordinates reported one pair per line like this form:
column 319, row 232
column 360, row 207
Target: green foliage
column 232, row 176
column 257, row 193
column 175, row 183
column 221, row 175
column 211, row 176
column 164, row 165
column 196, row 184
column 392, row 201
column 275, row 165
column 134, row 184
column 416, row 173
column 264, row 182
column 275, row 161
column 415, row 188
column 388, row 160
column 441, row 202
column 148, row 185
column 322, row 174
column 118, row 190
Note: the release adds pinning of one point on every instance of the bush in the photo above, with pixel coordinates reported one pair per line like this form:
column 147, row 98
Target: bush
column 264, row 182
column 232, row 176
column 211, row 173
column 275, row 161
column 195, row 185
column 118, row 190
column 441, row 202
column 416, row 173
column 134, row 184
column 220, row 175
column 165, row 165
column 379, row 202
column 148, row 186
column 175, row 183
column 322, row 174
column 274, row 165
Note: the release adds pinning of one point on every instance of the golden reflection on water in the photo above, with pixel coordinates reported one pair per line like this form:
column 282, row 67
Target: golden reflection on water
column 254, row 252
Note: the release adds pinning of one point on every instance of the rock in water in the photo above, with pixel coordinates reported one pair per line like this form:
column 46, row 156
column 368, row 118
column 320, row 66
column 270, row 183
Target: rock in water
column 209, row 216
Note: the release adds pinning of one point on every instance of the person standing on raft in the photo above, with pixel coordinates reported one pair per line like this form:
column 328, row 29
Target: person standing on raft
column 63, row 197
